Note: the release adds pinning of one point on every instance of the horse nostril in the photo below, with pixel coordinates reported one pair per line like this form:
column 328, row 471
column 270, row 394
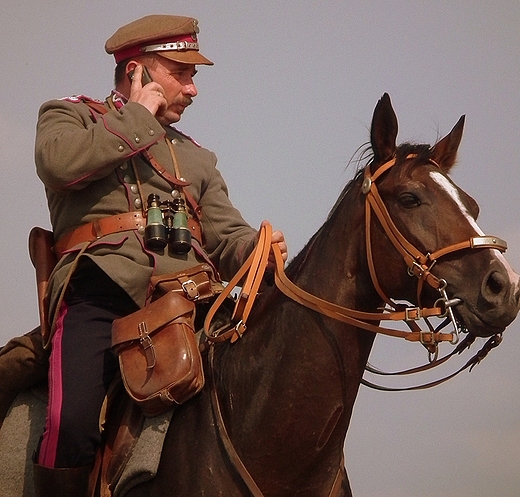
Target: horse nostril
column 494, row 284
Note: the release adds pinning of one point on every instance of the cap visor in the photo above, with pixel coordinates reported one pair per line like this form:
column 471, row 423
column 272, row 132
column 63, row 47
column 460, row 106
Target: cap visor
column 187, row 57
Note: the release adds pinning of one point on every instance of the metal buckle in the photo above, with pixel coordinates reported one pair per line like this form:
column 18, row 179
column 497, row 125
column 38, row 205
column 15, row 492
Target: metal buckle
column 190, row 289
column 425, row 342
column 240, row 328
column 432, row 346
column 420, row 269
column 408, row 317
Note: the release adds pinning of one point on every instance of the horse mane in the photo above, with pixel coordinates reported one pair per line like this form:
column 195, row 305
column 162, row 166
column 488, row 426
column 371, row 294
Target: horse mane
column 363, row 158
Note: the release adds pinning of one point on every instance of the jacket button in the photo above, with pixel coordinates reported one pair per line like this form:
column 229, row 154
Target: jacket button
column 121, row 148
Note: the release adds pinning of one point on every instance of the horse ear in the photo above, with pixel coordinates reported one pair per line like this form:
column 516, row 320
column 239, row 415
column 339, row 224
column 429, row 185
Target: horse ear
column 444, row 152
column 383, row 132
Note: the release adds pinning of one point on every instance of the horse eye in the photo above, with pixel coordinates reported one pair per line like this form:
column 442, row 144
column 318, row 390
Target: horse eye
column 409, row 200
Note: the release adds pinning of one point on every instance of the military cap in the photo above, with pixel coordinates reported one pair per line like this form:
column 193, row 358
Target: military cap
column 173, row 37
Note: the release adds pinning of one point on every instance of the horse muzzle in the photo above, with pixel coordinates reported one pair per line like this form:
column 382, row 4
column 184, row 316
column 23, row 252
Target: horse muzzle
column 496, row 304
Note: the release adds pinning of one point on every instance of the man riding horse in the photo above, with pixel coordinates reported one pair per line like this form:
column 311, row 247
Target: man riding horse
column 107, row 167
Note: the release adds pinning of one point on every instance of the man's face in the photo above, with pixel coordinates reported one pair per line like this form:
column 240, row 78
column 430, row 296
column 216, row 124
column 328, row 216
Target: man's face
column 177, row 81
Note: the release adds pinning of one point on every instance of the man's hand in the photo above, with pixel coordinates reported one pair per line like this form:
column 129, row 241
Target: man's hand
column 150, row 95
column 278, row 238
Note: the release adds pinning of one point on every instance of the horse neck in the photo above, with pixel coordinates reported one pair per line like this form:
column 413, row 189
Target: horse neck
column 294, row 361
column 333, row 265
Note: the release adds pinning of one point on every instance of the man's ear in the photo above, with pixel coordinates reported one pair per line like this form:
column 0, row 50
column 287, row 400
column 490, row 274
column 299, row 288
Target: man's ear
column 130, row 66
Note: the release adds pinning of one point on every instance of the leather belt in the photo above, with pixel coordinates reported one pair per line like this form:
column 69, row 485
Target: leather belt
column 99, row 228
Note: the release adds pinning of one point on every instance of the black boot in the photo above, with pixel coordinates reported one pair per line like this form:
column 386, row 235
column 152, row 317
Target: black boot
column 61, row 482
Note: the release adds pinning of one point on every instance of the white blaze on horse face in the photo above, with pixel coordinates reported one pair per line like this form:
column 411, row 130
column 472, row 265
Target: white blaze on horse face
column 450, row 189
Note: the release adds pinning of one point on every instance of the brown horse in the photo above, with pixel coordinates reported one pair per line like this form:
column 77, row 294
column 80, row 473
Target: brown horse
column 286, row 390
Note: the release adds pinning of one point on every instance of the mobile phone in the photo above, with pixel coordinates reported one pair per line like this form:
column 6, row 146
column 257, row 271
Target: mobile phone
column 145, row 79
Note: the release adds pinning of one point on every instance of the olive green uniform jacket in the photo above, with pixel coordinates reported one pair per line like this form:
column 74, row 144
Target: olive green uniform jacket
column 83, row 159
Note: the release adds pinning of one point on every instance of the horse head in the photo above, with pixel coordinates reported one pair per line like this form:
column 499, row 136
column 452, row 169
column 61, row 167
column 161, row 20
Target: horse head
column 432, row 223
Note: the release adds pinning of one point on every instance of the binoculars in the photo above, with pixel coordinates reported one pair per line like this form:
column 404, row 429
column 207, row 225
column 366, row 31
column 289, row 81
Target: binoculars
column 167, row 224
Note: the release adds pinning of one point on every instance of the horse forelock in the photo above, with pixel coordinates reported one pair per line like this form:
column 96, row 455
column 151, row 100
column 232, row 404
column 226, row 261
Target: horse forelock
column 423, row 153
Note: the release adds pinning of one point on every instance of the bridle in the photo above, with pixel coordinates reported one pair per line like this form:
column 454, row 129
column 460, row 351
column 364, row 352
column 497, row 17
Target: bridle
column 418, row 263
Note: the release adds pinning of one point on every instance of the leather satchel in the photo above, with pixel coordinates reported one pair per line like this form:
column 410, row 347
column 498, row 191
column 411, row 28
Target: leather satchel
column 159, row 358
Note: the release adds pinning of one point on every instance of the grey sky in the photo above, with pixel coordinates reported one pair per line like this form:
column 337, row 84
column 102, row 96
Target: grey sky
column 286, row 105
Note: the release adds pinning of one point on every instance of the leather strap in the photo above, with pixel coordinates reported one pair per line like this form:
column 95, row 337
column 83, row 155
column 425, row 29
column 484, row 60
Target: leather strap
column 95, row 230
column 99, row 228
column 418, row 264
column 353, row 317
column 256, row 264
column 252, row 284
column 172, row 180
column 490, row 344
column 254, row 267
column 224, row 436
column 44, row 261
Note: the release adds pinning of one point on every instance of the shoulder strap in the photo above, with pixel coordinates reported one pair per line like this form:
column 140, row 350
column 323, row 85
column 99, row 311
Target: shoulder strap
column 98, row 107
column 158, row 168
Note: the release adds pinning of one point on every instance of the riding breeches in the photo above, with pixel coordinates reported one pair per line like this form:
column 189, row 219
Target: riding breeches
column 82, row 366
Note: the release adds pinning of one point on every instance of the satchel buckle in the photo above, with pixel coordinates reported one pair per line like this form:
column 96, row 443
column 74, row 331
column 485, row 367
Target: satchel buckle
column 190, row 289
column 147, row 344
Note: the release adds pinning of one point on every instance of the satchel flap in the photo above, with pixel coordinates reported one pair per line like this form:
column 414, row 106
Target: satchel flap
column 157, row 314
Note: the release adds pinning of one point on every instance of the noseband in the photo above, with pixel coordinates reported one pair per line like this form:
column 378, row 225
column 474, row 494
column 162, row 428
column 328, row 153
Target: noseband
column 418, row 263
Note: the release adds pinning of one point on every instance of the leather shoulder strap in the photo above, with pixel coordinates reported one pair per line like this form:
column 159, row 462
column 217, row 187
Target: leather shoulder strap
column 96, row 106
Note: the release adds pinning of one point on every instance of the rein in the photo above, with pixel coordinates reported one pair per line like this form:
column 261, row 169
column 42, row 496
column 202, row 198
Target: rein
column 418, row 264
